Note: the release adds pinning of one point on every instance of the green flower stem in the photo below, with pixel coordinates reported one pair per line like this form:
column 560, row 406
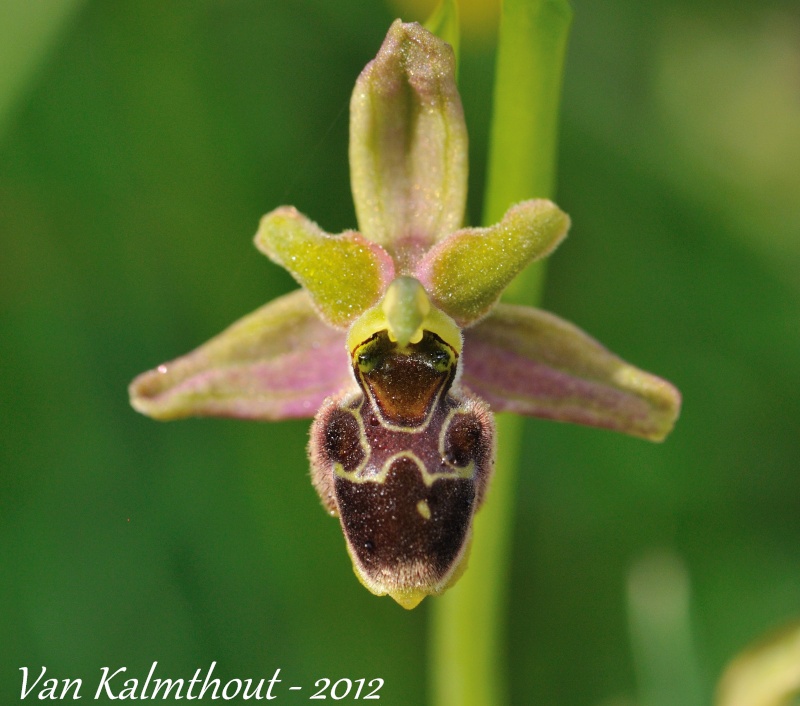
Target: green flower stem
column 469, row 621
column 524, row 137
column 469, row 658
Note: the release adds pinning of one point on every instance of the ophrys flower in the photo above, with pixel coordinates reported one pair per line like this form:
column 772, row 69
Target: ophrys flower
column 396, row 342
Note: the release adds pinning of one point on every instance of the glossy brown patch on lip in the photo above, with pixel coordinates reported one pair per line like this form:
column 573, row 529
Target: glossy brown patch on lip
column 405, row 383
column 396, row 545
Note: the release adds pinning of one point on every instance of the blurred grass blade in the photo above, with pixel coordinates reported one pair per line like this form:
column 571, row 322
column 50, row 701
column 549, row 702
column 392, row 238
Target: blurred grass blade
column 444, row 23
column 658, row 597
column 25, row 37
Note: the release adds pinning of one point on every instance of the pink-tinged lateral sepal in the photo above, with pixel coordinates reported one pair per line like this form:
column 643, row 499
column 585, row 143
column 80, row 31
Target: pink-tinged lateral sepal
column 530, row 362
column 345, row 274
column 279, row 362
column 466, row 273
column 408, row 144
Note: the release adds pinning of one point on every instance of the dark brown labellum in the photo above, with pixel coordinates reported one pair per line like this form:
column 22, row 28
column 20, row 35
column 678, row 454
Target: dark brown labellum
column 404, row 462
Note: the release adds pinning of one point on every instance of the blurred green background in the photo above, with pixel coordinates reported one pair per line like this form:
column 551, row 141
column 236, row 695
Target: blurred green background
column 140, row 142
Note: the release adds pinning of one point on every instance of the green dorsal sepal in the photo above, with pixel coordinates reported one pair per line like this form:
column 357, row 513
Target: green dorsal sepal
column 408, row 141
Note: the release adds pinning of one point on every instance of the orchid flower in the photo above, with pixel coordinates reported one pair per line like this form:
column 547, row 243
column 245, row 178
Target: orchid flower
column 396, row 343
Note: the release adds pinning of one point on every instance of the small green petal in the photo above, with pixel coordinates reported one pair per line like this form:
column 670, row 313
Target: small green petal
column 530, row 362
column 408, row 143
column 345, row 274
column 466, row 273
